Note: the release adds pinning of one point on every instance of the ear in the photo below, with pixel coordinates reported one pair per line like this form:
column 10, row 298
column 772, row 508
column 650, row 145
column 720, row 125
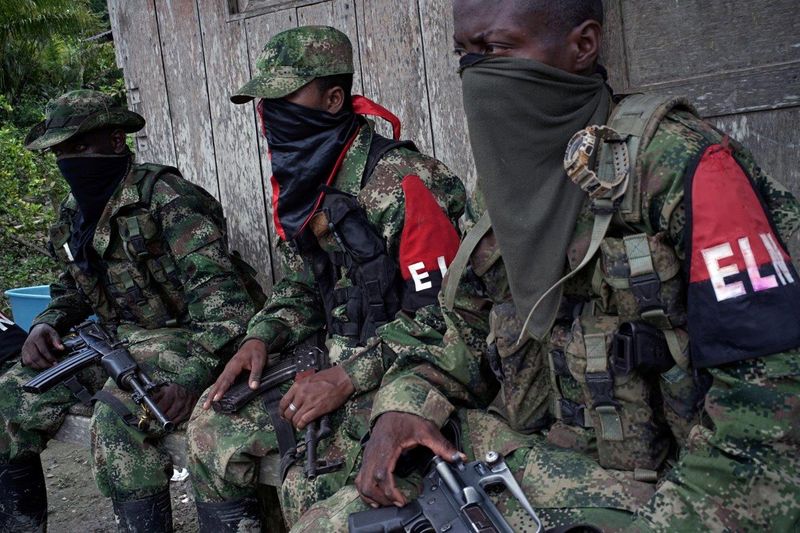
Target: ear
column 118, row 143
column 333, row 100
column 584, row 43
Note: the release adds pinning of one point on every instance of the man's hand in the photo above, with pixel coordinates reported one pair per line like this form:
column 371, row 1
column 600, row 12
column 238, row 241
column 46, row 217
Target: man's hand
column 393, row 434
column 41, row 348
column 319, row 394
column 251, row 356
column 175, row 402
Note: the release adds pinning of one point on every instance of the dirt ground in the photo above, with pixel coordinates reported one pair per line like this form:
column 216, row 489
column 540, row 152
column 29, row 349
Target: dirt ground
column 75, row 504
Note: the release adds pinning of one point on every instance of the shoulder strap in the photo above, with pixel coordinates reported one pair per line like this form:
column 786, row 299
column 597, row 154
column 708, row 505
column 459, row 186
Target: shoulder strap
column 379, row 147
column 461, row 260
column 147, row 174
column 636, row 119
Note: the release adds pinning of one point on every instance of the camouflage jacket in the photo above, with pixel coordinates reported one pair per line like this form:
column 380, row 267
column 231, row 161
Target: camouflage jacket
column 435, row 373
column 295, row 311
column 163, row 264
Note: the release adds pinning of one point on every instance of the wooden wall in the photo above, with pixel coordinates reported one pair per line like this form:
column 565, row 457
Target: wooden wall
column 739, row 60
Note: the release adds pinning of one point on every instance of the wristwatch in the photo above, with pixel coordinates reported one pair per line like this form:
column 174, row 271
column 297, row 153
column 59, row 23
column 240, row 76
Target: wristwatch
column 581, row 157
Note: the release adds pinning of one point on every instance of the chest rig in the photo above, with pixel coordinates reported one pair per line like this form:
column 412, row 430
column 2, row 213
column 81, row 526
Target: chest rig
column 134, row 278
column 359, row 283
column 619, row 365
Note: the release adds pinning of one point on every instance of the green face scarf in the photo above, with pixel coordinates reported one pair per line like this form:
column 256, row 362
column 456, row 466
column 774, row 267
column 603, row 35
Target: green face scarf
column 521, row 115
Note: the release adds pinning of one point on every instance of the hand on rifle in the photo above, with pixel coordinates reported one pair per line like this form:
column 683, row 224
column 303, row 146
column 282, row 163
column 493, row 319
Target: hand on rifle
column 393, row 434
column 315, row 396
column 41, row 348
column 175, row 401
column 252, row 356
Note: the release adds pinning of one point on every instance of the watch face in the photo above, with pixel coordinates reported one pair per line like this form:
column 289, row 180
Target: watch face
column 574, row 147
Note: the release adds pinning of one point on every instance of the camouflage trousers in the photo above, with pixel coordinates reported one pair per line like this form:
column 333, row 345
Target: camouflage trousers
column 225, row 452
column 742, row 475
column 127, row 463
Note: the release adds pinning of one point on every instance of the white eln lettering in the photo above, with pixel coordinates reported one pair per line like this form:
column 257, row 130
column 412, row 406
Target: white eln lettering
column 5, row 322
column 442, row 265
column 759, row 284
column 418, row 274
column 784, row 275
column 712, row 257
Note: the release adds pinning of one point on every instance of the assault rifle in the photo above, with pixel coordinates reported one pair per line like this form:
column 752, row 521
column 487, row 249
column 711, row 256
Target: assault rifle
column 453, row 499
column 304, row 361
column 89, row 345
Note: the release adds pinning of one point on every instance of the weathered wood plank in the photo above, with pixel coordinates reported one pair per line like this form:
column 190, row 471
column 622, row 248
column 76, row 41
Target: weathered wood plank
column 393, row 64
column 138, row 50
column 258, row 31
column 182, row 49
column 234, row 133
column 613, row 48
column 774, row 139
column 758, row 89
column 448, row 120
column 722, row 37
column 341, row 14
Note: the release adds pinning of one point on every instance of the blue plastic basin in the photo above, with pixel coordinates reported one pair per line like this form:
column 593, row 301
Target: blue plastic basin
column 27, row 302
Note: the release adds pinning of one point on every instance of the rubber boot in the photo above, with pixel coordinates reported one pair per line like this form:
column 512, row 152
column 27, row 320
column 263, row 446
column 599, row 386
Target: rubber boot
column 148, row 515
column 23, row 496
column 240, row 516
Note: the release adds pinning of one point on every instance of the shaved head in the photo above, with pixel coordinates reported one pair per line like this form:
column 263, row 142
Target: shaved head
column 560, row 16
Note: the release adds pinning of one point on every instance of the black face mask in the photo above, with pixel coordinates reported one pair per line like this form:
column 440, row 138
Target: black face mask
column 92, row 180
column 305, row 145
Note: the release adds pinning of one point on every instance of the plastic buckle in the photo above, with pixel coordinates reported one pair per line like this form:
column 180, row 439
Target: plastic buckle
column 623, row 353
column 647, row 291
column 572, row 414
column 601, row 388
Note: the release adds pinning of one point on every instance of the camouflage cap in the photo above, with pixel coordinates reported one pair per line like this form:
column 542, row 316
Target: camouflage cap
column 79, row 112
column 296, row 57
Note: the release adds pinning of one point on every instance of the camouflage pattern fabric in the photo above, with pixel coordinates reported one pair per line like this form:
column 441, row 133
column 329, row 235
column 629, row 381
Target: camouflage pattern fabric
column 736, row 468
column 175, row 297
column 77, row 112
column 225, row 450
column 294, row 58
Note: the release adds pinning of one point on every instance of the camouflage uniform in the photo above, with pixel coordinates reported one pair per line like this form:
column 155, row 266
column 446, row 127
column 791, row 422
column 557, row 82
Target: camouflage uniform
column 224, row 450
column 748, row 429
column 165, row 284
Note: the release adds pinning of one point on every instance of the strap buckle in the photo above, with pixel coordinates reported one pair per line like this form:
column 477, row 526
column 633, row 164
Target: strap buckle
column 646, row 288
column 601, row 388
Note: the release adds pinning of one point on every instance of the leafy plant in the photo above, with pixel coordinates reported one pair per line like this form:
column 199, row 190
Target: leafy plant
column 45, row 51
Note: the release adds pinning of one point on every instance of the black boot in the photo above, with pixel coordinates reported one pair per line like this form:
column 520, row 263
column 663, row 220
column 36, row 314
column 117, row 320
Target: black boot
column 235, row 515
column 23, row 496
column 148, row 515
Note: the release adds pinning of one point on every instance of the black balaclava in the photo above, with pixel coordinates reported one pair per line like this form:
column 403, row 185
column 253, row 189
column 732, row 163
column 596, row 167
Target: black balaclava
column 305, row 145
column 92, row 179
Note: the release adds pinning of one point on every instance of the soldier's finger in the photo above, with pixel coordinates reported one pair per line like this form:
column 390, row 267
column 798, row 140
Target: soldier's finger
column 292, row 409
column 287, row 399
column 54, row 339
column 256, row 366
column 45, row 357
column 383, row 477
column 435, row 441
column 307, row 416
column 224, row 382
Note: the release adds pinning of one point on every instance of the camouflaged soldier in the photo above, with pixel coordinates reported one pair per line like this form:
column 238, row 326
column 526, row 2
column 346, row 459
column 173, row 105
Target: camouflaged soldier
column 146, row 252
column 366, row 228
column 665, row 368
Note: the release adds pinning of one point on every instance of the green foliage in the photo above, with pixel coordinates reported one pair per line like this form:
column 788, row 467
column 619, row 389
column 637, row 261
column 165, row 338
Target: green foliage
column 44, row 52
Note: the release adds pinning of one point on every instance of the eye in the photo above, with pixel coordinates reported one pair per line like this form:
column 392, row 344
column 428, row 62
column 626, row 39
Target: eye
column 459, row 52
column 80, row 147
column 492, row 49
